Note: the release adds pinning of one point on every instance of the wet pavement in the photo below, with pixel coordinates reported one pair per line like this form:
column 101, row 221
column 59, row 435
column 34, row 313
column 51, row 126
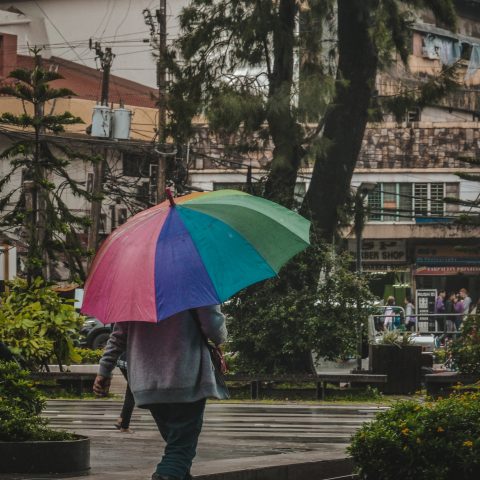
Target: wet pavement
column 235, row 436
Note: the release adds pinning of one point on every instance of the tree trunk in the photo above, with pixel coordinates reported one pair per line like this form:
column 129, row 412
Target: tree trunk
column 346, row 121
column 285, row 133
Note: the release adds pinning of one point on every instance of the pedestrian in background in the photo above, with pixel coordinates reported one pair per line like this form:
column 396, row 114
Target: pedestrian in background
column 467, row 301
column 171, row 374
column 440, row 308
column 389, row 314
column 123, row 423
column 450, row 309
column 410, row 319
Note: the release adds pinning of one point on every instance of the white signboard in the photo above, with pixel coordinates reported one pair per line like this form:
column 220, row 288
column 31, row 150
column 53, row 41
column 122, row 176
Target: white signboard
column 11, row 253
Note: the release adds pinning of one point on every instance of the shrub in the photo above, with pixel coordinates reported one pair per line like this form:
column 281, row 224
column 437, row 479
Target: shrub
column 439, row 440
column 88, row 356
column 274, row 326
column 20, row 406
column 465, row 351
column 17, row 389
column 18, row 425
column 37, row 325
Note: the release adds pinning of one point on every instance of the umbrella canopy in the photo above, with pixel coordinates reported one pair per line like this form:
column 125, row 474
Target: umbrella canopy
column 193, row 253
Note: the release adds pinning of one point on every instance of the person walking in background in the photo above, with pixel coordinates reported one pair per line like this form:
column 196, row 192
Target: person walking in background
column 389, row 314
column 410, row 319
column 440, row 308
column 123, row 423
column 170, row 373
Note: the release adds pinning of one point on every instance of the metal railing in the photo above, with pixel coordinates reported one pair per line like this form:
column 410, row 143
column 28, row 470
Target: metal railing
column 428, row 323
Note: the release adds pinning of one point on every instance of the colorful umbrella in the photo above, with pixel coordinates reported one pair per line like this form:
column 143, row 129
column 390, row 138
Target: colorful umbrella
column 196, row 252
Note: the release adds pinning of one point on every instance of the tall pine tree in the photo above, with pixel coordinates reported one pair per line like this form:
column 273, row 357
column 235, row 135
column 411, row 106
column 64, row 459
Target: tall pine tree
column 39, row 203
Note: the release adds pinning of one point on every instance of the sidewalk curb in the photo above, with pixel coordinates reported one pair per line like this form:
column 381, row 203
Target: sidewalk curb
column 275, row 468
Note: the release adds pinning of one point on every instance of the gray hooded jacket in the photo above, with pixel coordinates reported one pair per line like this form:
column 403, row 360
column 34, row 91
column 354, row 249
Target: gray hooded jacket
column 168, row 362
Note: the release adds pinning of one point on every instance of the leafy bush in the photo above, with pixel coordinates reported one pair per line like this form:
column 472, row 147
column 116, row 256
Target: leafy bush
column 465, row 351
column 37, row 325
column 274, row 326
column 20, row 406
column 18, row 425
column 88, row 356
column 17, row 389
column 439, row 440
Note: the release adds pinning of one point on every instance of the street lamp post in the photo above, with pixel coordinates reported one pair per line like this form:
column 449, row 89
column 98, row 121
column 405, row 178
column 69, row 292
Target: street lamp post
column 359, row 223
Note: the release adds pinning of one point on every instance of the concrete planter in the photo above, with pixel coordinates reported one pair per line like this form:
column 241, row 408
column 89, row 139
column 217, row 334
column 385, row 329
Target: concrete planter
column 67, row 456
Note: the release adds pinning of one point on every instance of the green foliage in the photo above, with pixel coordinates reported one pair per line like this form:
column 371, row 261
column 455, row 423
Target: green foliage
column 438, row 440
column 396, row 338
column 465, row 351
column 17, row 389
column 275, row 325
column 20, row 406
column 87, row 356
column 53, row 228
column 37, row 325
column 18, row 425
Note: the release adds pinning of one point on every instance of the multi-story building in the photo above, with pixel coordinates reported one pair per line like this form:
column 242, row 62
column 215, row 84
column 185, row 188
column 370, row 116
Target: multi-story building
column 410, row 239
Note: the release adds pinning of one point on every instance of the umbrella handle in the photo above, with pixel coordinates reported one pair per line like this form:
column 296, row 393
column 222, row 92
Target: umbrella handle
column 168, row 192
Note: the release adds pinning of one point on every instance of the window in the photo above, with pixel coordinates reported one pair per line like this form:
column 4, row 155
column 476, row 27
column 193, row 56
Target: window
column 390, row 202
column 135, row 164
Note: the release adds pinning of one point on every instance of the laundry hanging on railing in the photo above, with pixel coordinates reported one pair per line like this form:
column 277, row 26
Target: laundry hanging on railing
column 445, row 49
column 474, row 63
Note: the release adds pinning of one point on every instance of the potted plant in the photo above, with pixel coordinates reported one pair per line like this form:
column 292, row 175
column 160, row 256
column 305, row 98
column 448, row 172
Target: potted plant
column 434, row 440
column 394, row 355
column 27, row 444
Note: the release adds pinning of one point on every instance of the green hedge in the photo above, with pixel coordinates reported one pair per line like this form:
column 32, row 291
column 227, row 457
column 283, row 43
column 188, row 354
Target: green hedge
column 20, row 407
column 436, row 440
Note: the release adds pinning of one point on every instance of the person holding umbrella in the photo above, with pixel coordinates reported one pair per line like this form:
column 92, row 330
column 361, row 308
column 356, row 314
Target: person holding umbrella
column 160, row 278
column 170, row 374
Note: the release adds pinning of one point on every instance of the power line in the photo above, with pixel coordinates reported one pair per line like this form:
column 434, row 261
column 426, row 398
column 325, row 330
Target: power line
column 59, row 32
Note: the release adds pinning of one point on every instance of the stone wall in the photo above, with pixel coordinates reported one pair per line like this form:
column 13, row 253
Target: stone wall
column 419, row 145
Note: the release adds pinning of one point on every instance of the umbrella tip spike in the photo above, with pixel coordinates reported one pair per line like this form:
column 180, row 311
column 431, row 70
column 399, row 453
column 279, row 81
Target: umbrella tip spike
column 170, row 197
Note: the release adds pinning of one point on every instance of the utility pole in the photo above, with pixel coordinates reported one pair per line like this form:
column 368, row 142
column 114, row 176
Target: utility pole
column 106, row 59
column 158, row 38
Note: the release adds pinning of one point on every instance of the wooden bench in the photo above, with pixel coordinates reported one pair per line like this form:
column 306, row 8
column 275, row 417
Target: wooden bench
column 76, row 382
column 320, row 380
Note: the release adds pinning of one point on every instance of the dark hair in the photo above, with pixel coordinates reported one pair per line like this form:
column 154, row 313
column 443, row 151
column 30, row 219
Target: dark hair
column 408, row 298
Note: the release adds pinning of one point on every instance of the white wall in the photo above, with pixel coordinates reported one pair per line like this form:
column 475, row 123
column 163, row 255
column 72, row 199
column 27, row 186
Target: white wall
column 105, row 20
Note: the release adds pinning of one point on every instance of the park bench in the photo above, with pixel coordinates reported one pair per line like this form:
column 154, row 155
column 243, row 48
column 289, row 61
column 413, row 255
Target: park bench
column 320, row 380
column 73, row 381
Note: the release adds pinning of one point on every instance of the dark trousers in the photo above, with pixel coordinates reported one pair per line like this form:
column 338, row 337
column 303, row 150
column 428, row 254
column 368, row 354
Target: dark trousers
column 128, row 404
column 180, row 425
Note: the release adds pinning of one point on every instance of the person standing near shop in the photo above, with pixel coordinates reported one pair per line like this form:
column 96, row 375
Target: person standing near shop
column 440, row 308
column 467, row 301
column 410, row 319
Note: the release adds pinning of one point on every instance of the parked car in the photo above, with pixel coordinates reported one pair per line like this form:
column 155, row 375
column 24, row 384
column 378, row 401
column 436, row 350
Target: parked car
column 94, row 334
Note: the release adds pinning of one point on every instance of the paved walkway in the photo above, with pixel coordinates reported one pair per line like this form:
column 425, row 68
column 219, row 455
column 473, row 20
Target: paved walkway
column 236, row 436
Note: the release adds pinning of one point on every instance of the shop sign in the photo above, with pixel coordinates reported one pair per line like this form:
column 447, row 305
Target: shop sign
column 426, row 305
column 445, row 255
column 448, row 270
column 381, row 251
